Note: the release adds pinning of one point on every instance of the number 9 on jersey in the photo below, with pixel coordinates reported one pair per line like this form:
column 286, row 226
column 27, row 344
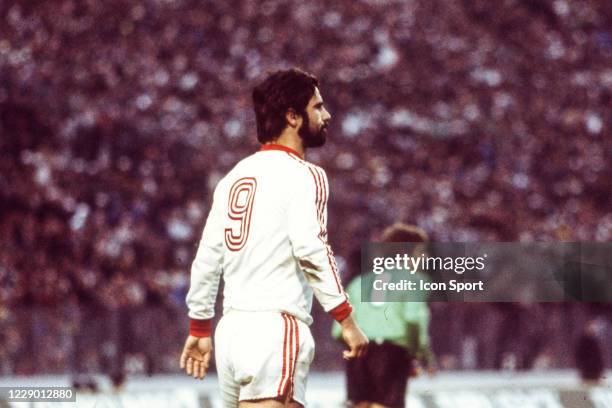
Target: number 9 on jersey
column 240, row 207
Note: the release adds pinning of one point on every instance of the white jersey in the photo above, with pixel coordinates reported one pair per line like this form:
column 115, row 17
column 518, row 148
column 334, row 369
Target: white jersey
column 267, row 233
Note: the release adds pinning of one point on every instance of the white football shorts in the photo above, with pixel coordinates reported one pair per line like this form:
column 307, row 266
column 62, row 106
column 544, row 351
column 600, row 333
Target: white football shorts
column 262, row 355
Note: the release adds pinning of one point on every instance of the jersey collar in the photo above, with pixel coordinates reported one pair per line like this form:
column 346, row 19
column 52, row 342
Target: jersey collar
column 280, row 147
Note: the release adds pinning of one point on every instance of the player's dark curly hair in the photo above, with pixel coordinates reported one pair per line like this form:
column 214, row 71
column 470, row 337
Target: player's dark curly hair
column 279, row 92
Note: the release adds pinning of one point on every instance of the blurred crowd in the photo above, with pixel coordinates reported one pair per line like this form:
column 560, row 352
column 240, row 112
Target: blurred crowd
column 475, row 120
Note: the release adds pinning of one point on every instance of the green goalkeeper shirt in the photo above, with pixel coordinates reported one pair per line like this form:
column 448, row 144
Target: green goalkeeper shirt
column 403, row 321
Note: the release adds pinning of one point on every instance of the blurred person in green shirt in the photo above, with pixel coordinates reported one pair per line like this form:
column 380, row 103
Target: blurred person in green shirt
column 397, row 327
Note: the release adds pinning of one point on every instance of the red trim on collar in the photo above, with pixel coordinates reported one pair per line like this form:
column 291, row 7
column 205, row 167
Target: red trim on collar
column 280, row 147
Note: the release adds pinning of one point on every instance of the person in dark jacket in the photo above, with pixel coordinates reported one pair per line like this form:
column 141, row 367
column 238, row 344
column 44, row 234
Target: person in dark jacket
column 589, row 356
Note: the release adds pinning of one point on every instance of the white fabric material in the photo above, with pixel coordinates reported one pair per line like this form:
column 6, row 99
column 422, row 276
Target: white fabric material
column 262, row 355
column 273, row 247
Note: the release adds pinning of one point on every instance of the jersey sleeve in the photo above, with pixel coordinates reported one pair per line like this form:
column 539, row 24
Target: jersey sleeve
column 206, row 271
column 307, row 216
column 353, row 291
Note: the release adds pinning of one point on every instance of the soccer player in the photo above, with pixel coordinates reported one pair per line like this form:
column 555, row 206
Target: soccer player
column 399, row 333
column 267, row 233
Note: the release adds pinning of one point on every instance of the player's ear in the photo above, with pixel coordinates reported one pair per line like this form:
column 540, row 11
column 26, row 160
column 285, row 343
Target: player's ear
column 293, row 118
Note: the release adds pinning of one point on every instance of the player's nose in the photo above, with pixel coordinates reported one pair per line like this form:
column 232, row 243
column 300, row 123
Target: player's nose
column 326, row 116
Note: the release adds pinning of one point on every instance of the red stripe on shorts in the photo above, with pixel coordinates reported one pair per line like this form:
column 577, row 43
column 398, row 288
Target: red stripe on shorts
column 297, row 352
column 278, row 392
column 289, row 371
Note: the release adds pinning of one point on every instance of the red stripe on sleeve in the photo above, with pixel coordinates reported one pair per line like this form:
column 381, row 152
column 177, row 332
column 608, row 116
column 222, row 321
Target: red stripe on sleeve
column 319, row 197
column 324, row 204
column 321, row 202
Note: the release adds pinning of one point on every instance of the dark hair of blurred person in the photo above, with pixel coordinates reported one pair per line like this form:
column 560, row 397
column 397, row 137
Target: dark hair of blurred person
column 405, row 233
column 400, row 232
column 281, row 91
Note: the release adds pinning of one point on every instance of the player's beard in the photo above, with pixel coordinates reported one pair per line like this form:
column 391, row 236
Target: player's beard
column 310, row 138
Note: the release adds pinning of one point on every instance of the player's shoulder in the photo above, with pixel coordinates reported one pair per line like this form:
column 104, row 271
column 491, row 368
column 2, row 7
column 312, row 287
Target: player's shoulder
column 235, row 173
column 282, row 166
column 245, row 166
column 288, row 164
column 310, row 178
column 307, row 169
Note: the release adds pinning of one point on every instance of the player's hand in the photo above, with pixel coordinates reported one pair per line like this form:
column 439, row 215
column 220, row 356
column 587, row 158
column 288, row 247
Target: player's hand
column 196, row 355
column 354, row 338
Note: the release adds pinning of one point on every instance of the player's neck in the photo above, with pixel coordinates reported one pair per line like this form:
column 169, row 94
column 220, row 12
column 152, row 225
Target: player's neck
column 292, row 141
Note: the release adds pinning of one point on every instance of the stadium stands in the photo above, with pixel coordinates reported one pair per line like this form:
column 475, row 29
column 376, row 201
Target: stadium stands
column 475, row 120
